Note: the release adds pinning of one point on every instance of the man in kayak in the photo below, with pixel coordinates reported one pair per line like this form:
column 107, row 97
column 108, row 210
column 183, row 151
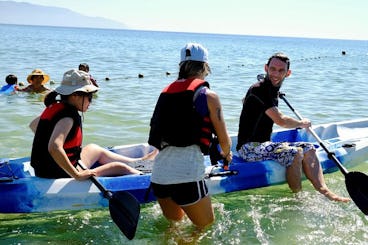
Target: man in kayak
column 57, row 145
column 260, row 111
column 186, row 114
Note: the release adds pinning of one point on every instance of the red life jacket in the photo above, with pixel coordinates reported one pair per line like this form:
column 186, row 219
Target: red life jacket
column 179, row 120
column 41, row 160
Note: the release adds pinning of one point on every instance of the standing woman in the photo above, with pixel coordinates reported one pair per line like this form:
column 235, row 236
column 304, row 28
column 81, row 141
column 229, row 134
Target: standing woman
column 186, row 114
column 57, row 145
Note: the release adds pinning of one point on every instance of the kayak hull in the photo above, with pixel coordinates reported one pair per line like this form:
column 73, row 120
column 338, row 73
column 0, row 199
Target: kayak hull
column 22, row 192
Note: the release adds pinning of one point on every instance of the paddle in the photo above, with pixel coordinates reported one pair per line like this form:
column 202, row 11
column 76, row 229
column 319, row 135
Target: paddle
column 356, row 182
column 214, row 153
column 124, row 208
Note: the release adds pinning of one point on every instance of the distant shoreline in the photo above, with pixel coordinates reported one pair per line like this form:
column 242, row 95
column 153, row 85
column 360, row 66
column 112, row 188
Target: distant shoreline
column 194, row 33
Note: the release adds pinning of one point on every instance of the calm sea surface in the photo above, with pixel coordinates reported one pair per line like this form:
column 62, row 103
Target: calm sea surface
column 325, row 86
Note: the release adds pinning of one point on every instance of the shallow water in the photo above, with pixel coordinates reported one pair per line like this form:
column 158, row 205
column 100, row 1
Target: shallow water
column 325, row 87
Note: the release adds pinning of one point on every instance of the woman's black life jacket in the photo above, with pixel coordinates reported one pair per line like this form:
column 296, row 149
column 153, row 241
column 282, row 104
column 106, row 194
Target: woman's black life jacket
column 41, row 160
column 179, row 119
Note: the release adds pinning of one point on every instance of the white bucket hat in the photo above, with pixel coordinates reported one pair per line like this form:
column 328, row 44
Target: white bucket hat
column 74, row 81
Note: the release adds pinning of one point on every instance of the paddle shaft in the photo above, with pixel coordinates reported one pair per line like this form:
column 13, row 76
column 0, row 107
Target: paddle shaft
column 124, row 207
column 356, row 182
column 105, row 192
column 329, row 154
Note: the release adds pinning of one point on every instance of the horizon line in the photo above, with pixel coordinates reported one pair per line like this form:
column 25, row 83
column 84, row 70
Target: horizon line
column 169, row 31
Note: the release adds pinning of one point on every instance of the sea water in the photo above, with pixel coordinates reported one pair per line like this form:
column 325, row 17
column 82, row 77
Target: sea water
column 325, row 86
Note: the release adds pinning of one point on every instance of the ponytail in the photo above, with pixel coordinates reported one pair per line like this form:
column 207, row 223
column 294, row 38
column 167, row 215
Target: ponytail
column 50, row 98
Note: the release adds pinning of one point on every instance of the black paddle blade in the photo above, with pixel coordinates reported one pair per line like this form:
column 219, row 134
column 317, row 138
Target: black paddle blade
column 124, row 211
column 357, row 186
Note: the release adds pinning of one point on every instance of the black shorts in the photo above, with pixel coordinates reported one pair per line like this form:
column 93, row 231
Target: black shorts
column 182, row 194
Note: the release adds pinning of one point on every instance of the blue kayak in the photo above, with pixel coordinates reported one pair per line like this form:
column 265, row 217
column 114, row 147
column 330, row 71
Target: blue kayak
column 22, row 192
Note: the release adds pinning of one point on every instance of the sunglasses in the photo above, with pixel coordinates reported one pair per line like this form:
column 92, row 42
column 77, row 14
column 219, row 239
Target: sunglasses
column 88, row 95
column 36, row 76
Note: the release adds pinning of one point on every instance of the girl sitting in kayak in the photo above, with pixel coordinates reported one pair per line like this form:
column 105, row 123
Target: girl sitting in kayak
column 57, row 145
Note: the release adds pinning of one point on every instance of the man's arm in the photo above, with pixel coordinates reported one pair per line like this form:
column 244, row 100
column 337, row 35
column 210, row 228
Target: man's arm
column 285, row 121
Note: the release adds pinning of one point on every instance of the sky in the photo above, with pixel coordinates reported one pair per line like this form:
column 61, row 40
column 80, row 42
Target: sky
column 336, row 19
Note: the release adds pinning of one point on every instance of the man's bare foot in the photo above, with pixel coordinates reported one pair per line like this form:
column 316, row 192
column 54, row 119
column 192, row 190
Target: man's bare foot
column 332, row 196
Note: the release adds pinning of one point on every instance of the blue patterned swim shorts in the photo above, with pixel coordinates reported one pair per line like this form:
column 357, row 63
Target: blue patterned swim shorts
column 281, row 152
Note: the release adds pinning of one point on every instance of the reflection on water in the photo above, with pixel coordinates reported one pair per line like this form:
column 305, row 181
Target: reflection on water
column 269, row 215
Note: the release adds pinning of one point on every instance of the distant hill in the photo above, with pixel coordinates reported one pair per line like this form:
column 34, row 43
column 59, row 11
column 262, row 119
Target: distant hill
column 21, row 13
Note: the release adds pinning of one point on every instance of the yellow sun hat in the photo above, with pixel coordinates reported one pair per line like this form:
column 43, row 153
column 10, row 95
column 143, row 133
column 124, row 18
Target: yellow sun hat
column 38, row 72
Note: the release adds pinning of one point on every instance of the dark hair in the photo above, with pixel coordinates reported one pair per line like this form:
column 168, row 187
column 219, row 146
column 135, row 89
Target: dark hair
column 83, row 66
column 192, row 68
column 281, row 56
column 11, row 79
column 50, row 98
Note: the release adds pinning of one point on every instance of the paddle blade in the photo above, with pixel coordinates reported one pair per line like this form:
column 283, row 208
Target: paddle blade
column 124, row 211
column 357, row 186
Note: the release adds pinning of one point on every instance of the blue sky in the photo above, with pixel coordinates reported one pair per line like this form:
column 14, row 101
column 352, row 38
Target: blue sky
column 340, row 19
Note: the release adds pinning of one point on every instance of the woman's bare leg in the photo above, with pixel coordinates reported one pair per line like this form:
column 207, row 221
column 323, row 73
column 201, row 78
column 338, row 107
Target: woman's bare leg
column 112, row 164
column 102, row 155
column 172, row 211
column 201, row 213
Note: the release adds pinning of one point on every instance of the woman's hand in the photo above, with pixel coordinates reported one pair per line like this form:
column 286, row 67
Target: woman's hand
column 85, row 174
column 228, row 157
